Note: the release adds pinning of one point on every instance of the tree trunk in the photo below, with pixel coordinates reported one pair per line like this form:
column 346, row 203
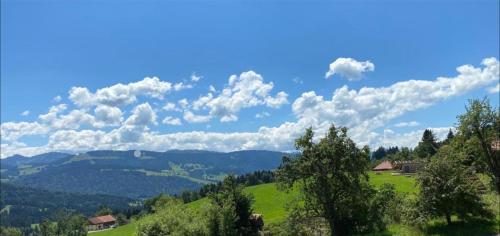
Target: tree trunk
column 491, row 158
column 333, row 229
column 448, row 218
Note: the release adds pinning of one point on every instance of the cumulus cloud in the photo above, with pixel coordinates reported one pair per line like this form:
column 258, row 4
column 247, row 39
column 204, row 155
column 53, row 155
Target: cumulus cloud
column 262, row 115
column 169, row 120
column 181, row 86
column 195, row 77
column 123, row 94
column 142, row 115
column 369, row 108
column 494, row 89
column 365, row 111
column 108, row 115
column 243, row 91
column 57, row 99
column 11, row 131
column 25, row 113
column 349, row 68
column 169, row 106
column 192, row 118
column 407, row 124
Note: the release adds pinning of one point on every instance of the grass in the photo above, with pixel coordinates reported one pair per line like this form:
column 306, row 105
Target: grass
column 126, row 230
column 271, row 203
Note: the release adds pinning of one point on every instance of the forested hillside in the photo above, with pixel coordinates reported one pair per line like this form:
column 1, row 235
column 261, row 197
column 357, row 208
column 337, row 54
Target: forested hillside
column 135, row 174
column 22, row 206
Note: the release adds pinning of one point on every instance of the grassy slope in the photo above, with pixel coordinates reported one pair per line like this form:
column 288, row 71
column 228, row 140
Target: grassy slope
column 271, row 203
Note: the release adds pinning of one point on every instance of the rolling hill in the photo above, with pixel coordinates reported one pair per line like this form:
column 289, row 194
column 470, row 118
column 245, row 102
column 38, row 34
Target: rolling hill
column 133, row 174
column 270, row 202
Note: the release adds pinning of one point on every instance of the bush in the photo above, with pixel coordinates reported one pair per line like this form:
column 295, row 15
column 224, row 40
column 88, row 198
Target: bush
column 172, row 218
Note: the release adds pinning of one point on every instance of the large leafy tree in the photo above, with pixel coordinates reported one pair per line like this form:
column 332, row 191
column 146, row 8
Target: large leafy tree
column 482, row 123
column 448, row 187
column 332, row 177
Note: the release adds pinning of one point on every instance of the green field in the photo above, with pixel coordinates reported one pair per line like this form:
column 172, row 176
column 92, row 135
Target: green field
column 271, row 204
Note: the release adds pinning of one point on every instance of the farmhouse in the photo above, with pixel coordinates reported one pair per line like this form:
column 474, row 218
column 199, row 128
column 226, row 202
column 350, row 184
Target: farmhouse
column 101, row 222
column 405, row 167
column 385, row 165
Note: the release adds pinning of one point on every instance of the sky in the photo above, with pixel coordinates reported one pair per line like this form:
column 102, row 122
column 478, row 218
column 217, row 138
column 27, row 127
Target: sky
column 238, row 75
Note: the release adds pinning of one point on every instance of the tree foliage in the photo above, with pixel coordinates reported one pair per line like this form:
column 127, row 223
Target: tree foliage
column 171, row 218
column 428, row 146
column 332, row 177
column 235, row 207
column 448, row 188
column 482, row 122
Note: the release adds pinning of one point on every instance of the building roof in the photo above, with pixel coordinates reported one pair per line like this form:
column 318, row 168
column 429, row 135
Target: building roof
column 385, row 165
column 102, row 219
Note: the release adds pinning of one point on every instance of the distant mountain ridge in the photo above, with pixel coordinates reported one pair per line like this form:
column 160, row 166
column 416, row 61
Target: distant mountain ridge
column 133, row 174
column 44, row 158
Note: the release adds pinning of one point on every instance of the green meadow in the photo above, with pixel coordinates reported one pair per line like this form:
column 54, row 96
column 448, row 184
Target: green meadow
column 271, row 203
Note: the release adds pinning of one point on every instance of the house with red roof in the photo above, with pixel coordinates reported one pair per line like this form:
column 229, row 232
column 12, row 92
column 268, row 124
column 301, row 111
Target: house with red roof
column 385, row 165
column 101, row 222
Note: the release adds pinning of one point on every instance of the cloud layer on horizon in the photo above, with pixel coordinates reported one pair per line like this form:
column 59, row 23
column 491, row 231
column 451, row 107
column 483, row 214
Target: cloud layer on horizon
column 96, row 120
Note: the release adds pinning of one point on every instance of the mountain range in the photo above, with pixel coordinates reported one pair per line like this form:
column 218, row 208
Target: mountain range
column 133, row 174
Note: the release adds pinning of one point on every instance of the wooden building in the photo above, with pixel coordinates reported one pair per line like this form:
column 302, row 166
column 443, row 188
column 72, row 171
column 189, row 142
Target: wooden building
column 101, row 222
column 385, row 165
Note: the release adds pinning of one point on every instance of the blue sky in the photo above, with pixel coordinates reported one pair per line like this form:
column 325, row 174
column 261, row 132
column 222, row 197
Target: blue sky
column 48, row 47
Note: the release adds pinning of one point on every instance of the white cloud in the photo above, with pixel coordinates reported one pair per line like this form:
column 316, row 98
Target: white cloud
column 57, row 99
column 121, row 94
column 108, row 115
column 53, row 113
column 169, row 106
column 494, row 89
column 298, row 80
column 407, row 124
column 11, row 131
column 244, row 91
column 262, row 115
column 171, row 121
column 192, row 118
column 181, row 86
column 349, row 68
column 212, row 89
column 364, row 111
column 183, row 103
column 195, row 78
column 142, row 115
column 25, row 113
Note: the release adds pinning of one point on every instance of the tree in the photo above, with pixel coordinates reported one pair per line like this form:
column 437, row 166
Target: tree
column 47, row 228
column 104, row 210
column 9, row 231
column 379, row 153
column 171, row 218
column 331, row 175
column 235, row 206
column 447, row 188
column 428, row 146
column 70, row 224
column 121, row 219
column 482, row 122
